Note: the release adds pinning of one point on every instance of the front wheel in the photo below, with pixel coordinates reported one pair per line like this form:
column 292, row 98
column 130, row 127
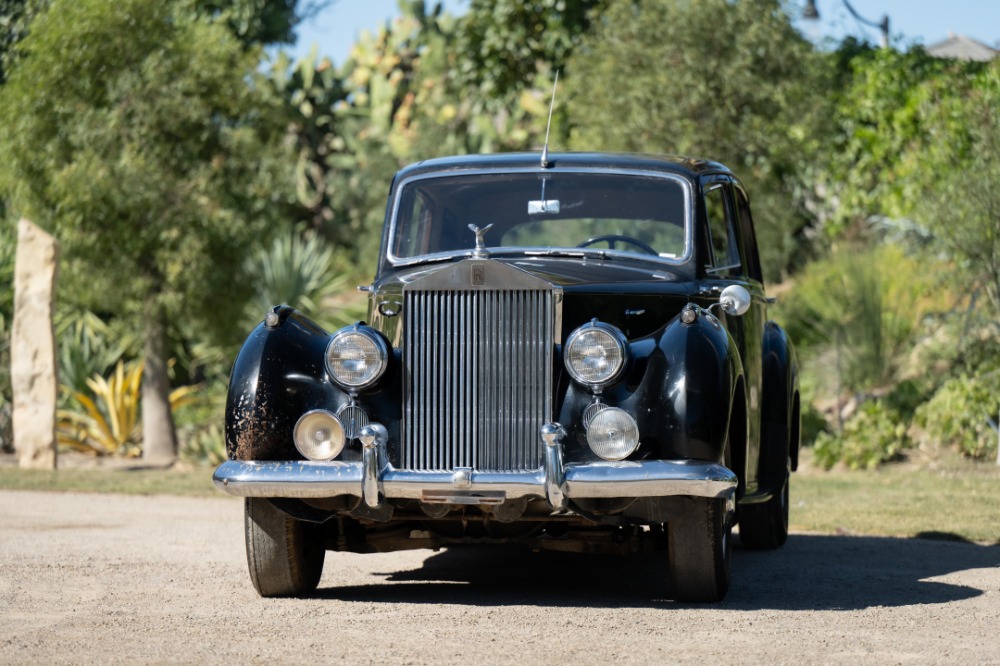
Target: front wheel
column 764, row 526
column 283, row 557
column 700, row 551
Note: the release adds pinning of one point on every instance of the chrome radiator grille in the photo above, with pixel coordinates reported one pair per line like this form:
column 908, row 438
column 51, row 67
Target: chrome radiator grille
column 478, row 378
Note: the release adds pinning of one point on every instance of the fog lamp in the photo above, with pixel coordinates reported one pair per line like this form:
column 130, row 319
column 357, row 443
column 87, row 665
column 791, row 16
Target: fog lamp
column 319, row 435
column 613, row 434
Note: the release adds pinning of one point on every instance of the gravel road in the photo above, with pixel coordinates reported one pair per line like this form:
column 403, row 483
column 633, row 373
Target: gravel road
column 124, row 579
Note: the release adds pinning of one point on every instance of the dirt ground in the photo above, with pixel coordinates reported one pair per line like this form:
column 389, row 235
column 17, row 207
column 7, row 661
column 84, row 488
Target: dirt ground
column 127, row 579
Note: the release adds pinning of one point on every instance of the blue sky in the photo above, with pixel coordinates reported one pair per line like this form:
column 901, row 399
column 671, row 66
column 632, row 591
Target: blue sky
column 911, row 21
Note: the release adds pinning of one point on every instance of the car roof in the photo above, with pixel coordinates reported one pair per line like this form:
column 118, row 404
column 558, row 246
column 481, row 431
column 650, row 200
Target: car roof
column 683, row 166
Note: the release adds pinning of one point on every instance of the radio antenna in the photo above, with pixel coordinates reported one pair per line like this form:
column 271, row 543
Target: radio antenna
column 548, row 126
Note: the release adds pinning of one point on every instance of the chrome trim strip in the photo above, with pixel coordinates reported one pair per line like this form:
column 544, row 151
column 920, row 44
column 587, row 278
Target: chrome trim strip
column 646, row 478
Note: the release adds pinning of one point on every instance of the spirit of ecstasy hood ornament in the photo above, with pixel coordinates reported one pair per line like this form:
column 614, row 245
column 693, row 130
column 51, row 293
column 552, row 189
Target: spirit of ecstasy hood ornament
column 480, row 251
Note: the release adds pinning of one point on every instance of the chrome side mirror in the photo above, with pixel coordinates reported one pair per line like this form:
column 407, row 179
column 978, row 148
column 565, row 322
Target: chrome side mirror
column 734, row 300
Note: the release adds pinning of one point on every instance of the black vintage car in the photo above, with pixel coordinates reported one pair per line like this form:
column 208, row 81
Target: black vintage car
column 570, row 352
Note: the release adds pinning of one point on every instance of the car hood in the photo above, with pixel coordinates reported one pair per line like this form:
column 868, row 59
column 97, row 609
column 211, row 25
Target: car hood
column 638, row 297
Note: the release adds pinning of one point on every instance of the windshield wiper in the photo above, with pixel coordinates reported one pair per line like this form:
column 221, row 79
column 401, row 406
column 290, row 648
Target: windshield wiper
column 576, row 254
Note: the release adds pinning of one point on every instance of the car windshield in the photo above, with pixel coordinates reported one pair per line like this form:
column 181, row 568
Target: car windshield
column 638, row 214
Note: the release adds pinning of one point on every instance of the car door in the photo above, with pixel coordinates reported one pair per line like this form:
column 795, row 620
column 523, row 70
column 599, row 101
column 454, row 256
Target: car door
column 732, row 259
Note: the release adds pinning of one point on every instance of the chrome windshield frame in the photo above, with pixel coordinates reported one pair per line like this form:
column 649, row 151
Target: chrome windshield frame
column 686, row 188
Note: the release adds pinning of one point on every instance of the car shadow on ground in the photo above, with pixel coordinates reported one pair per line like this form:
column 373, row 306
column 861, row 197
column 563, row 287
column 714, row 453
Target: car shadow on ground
column 811, row 572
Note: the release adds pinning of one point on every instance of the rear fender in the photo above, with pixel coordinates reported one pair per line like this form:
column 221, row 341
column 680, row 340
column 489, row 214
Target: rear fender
column 780, row 409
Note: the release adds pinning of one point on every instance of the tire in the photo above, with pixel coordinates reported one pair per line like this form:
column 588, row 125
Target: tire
column 282, row 557
column 764, row 526
column 700, row 546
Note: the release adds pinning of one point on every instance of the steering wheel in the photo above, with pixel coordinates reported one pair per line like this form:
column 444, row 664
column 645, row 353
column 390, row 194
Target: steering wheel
column 612, row 239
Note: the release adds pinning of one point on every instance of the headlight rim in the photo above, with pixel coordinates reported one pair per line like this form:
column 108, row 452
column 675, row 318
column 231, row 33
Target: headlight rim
column 380, row 344
column 617, row 335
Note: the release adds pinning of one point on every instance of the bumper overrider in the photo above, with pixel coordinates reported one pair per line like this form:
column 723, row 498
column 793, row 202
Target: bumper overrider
column 374, row 479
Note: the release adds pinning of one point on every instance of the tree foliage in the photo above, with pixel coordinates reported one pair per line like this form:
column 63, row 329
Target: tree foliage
column 960, row 171
column 507, row 43
column 730, row 81
column 398, row 99
column 877, row 159
column 136, row 134
column 15, row 15
column 253, row 22
column 917, row 139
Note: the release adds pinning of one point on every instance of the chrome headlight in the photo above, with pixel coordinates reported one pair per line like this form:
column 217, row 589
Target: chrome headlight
column 595, row 354
column 356, row 357
column 319, row 435
column 613, row 434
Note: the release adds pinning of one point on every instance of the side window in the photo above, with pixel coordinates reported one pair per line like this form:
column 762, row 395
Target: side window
column 749, row 239
column 413, row 225
column 722, row 233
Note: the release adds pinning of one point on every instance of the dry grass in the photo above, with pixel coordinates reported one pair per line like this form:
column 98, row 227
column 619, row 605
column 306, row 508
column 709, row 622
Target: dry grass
column 82, row 473
column 943, row 497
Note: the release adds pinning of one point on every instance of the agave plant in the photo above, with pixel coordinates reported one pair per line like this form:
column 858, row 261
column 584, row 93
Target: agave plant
column 106, row 421
column 299, row 269
column 87, row 346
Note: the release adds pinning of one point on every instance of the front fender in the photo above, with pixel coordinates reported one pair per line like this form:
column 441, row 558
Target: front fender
column 278, row 375
column 697, row 389
column 680, row 387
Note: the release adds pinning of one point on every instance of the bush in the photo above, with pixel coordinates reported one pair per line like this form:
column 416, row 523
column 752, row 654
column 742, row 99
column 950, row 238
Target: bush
column 298, row 269
column 867, row 306
column 87, row 346
column 201, row 435
column 104, row 419
column 874, row 435
column 956, row 414
column 813, row 424
column 204, row 445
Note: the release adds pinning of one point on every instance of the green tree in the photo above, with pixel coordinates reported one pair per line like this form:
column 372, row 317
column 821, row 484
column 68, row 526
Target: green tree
column 135, row 131
column 959, row 175
column 730, row 81
column 918, row 139
column 15, row 16
column 424, row 85
column 255, row 22
column 877, row 161
column 395, row 101
column 507, row 43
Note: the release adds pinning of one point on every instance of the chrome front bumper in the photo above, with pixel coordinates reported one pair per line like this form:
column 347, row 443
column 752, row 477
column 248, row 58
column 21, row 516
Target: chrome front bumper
column 374, row 478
